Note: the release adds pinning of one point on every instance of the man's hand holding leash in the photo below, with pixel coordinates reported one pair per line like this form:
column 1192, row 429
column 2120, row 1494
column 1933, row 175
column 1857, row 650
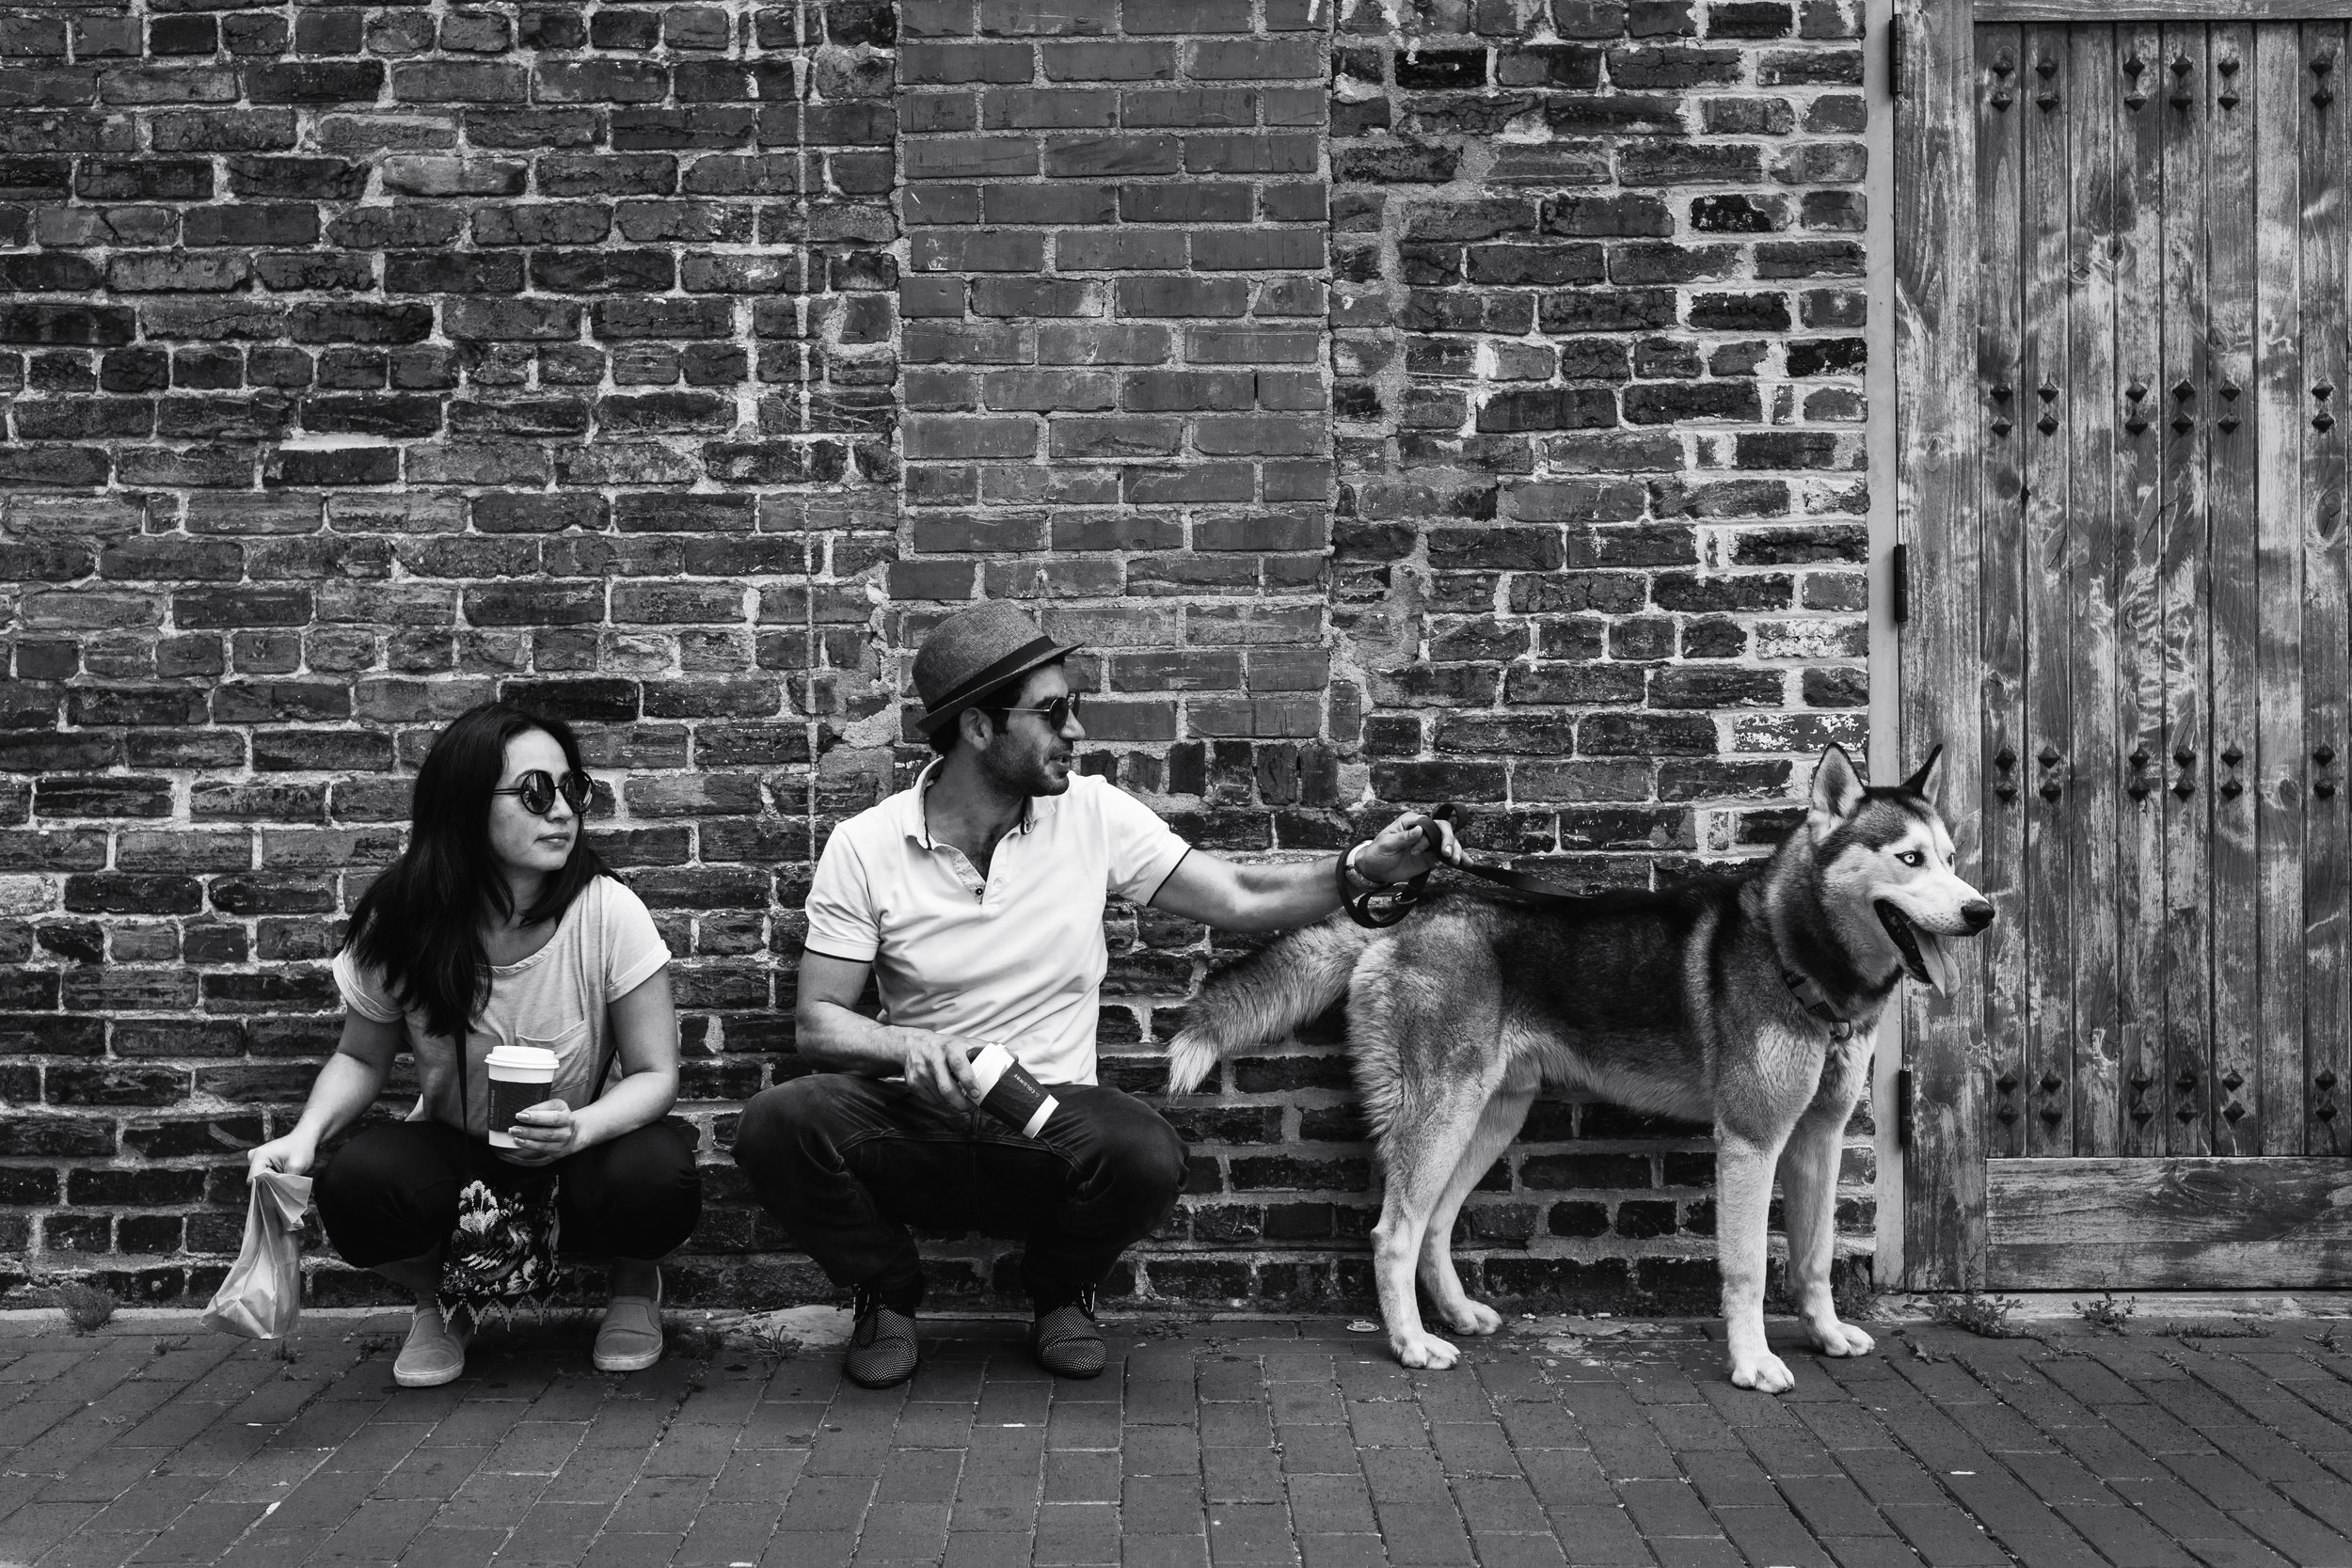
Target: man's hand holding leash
column 1414, row 845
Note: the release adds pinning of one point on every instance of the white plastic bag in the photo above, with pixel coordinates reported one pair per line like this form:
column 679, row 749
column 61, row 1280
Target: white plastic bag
column 261, row 1298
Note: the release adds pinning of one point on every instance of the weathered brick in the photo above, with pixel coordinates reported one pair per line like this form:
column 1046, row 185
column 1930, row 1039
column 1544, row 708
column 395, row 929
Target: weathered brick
column 625, row 381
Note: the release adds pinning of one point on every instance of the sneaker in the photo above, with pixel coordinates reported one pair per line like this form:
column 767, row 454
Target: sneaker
column 1065, row 1341
column 435, row 1353
column 629, row 1338
column 882, row 1348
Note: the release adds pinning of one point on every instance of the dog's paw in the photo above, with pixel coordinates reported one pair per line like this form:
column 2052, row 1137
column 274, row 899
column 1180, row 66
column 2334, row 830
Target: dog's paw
column 1840, row 1338
column 1471, row 1317
column 1767, row 1374
column 1424, row 1351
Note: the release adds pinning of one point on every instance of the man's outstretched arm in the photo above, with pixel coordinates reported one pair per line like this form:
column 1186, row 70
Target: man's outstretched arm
column 1216, row 891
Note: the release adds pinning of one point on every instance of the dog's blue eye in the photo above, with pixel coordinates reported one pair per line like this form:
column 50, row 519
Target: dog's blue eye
column 1912, row 857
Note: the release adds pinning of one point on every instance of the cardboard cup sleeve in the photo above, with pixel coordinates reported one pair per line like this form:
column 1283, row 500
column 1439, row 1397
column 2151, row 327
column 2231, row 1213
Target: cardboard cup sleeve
column 1008, row 1093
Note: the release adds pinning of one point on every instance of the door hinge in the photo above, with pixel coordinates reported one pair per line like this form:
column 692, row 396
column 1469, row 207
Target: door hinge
column 1903, row 1108
column 1899, row 584
column 1895, row 55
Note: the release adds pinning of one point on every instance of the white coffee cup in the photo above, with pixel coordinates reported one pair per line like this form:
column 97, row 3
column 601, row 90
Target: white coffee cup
column 1008, row 1092
column 521, row 1076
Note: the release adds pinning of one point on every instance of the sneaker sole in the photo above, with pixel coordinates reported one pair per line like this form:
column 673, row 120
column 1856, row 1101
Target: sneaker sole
column 428, row 1380
column 1064, row 1371
column 887, row 1383
column 636, row 1362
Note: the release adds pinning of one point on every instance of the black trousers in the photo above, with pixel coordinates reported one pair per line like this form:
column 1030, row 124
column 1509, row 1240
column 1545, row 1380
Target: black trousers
column 846, row 1162
column 391, row 1194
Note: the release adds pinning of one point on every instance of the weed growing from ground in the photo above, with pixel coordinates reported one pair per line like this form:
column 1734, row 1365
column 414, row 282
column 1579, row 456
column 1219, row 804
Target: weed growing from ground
column 1979, row 1314
column 87, row 1308
column 2106, row 1312
column 767, row 1341
column 2238, row 1328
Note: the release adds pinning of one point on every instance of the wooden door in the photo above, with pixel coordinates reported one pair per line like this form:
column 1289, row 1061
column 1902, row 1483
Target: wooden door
column 2159, row 647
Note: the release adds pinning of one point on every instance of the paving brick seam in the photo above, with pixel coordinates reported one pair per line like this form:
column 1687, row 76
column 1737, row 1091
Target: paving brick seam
column 963, row 1472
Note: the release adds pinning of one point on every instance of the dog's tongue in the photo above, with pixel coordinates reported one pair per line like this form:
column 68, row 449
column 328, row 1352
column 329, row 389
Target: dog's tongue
column 1938, row 962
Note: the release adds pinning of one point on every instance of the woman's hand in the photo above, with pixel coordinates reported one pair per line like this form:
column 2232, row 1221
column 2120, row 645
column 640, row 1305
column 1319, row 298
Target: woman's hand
column 293, row 1154
column 544, row 1133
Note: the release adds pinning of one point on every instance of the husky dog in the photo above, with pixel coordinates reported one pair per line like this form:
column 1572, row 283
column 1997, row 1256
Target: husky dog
column 1746, row 1001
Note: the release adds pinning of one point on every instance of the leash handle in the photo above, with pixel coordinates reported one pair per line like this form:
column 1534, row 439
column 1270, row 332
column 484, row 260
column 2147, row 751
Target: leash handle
column 1448, row 811
column 1379, row 908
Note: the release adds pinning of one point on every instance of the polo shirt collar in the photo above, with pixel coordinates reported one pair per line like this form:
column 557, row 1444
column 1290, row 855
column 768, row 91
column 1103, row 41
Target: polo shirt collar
column 915, row 823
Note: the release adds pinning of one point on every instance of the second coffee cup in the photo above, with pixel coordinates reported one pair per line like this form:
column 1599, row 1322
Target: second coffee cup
column 1008, row 1093
column 521, row 1076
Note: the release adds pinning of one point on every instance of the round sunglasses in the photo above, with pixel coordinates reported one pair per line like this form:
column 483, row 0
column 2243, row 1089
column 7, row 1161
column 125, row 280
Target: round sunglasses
column 536, row 792
column 1058, row 712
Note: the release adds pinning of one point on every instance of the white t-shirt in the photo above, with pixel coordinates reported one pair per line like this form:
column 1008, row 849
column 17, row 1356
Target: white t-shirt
column 1017, row 958
column 605, row 946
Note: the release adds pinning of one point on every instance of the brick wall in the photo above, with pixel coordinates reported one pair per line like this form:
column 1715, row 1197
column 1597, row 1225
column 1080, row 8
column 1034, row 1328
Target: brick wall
column 1451, row 402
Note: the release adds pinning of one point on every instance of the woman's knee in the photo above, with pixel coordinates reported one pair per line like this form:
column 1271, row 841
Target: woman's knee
column 651, row 1168
column 381, row 1197
column 640, row 1193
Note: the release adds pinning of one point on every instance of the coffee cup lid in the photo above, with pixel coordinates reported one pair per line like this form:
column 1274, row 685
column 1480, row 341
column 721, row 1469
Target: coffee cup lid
column 522, row 1058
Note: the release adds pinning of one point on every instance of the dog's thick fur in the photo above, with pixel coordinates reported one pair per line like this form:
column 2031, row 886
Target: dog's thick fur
column 1678, row 1001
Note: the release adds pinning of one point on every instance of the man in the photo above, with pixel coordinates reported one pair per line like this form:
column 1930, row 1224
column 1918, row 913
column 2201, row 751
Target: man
column 976, row 897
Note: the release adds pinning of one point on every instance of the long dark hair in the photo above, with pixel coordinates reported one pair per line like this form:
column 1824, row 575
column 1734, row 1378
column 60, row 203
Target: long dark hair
column 419, row 924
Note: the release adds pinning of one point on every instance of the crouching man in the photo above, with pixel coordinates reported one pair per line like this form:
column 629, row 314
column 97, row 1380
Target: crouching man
column 976, row 897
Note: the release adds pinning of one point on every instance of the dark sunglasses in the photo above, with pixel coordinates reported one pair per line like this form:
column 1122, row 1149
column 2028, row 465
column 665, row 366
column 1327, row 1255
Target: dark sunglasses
column 1058, row 712
column 536, row 792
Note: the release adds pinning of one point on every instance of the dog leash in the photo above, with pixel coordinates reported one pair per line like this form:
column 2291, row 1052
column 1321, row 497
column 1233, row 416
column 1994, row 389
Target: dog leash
column 1380, row 906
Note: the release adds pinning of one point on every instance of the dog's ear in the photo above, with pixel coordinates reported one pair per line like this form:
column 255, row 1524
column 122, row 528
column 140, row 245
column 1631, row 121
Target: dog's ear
column 1836, row 789
column 1917, row 783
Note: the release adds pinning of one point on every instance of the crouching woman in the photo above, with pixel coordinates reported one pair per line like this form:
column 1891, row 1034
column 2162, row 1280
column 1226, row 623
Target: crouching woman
column 499, row 927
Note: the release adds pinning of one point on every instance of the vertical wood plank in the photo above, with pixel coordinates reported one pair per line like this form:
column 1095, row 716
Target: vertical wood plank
column 2094, row 778
column 2048, row 104
column 2278, row 780
column 1936, row 445
column 2326, row 228
column 2139, row 620
column 2186, row 418
column 2234, row 502
column 2007, row 425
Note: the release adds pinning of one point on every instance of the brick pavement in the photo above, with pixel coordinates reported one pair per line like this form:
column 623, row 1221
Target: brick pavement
column 1258, row 1445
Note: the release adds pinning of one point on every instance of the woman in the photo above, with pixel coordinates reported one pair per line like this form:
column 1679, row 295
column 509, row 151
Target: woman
column 499, row 925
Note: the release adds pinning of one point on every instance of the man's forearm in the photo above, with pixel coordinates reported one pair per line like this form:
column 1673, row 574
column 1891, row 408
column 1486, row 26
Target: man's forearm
column 1278, row 897
column 841, row 1040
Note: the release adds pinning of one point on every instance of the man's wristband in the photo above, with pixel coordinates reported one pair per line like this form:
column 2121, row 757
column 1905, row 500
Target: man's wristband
column 1348, row 872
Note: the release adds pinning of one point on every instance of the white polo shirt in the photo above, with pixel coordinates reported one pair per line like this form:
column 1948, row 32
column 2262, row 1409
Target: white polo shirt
column 1015, row 957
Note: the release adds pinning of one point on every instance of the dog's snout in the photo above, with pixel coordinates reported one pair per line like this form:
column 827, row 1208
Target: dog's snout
column 1979, row 913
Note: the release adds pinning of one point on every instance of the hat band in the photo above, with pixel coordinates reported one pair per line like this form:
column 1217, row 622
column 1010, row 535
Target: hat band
column 977, row 685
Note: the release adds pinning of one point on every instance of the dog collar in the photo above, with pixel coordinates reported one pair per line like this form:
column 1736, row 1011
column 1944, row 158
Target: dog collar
column 1811, row 998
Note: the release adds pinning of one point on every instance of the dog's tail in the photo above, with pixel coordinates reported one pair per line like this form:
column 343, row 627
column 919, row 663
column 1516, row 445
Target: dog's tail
column 1265, row 997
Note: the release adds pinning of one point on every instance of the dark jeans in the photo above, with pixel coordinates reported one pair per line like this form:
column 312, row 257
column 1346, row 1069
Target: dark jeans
column 391, row 1194
column 846, row 1162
